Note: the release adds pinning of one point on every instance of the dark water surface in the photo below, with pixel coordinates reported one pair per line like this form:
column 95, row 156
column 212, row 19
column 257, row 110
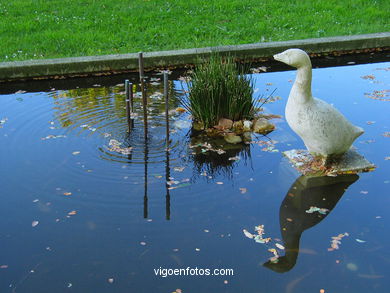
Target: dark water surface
column 76, row 216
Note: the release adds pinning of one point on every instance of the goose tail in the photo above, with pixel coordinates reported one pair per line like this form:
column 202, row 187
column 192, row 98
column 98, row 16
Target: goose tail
column 358, row 131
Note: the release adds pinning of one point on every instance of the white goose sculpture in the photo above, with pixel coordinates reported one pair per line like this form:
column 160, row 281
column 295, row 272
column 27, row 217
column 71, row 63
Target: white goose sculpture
column 323, row 129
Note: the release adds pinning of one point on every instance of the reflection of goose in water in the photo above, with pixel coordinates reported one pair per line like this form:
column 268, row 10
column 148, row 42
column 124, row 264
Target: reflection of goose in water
column 306, row 192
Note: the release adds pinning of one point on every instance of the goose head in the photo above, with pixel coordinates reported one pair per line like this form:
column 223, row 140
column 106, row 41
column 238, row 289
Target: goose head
column 294, row 57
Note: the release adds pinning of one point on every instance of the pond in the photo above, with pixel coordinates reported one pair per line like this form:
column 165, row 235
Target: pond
column 77, row 215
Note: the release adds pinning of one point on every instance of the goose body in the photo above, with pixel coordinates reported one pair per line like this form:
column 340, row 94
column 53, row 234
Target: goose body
column 323, row 129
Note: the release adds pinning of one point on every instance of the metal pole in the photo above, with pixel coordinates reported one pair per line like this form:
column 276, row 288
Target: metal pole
column 166, row 107
column 144, row 99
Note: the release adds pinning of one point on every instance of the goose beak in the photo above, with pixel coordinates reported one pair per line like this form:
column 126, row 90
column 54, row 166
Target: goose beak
column 278, row 57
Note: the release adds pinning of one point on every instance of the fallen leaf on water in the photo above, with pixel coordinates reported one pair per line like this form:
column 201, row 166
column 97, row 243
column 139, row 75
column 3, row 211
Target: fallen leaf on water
column 280, row 246
column 110, row 280
column 72, row 213
column 178, row 169
column 180, row 110
column 197, row 249
column 75, row 153
column 370, row 122
column 142, row 243
column 34, row 223
column 360, row 241
column 363, row 192
column 248, row 234
column 219, row 182
column 336, row 241
column 67, row 193
column 243, row 190
column 20, row 92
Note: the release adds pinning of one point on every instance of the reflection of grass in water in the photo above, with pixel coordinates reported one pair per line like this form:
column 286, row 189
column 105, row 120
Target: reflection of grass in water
column 214, row 163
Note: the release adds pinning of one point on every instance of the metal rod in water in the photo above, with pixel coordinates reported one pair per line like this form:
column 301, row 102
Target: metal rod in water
column 166, row 107
column 144, row 99
column 128, row 88
column 167, row 179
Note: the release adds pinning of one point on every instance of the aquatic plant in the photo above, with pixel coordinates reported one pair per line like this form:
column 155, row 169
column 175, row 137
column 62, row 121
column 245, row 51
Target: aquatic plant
column 218, row 89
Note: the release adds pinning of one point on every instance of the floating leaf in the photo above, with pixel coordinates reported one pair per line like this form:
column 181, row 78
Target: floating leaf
column 72, row 213
column 360, row 241
column 280, row 246
column 178, row 169
column 243, row 190
column 34, row 223
column 75, row 153
column 247, row 234
column 67, row 193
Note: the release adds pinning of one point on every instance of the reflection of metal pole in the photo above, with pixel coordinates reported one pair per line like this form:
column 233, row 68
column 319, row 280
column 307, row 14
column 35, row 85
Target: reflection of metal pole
column 166, row 107
column 146, row 180
column 167, row 168
column 144, row 99
column 167, row 196
column 128, row 89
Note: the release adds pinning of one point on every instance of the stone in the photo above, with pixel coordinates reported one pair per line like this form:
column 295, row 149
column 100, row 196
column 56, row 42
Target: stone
column 323, row 129
column 198, row 126
column 225, row 123
column 349, row 163
column 232, row 138
column 238, row 127
column 247, row 125
column 263, row 126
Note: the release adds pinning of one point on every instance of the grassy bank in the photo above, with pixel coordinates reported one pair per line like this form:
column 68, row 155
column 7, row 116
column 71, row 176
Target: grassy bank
column 32, row 29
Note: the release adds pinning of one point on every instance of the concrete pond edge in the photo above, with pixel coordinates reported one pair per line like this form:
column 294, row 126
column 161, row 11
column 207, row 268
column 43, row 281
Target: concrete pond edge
column 108, row 64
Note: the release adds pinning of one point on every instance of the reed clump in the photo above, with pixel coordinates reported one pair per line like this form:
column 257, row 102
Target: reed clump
column 218, row 89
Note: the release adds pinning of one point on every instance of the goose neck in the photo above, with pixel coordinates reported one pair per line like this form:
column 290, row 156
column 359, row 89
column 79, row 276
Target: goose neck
column 302, row 82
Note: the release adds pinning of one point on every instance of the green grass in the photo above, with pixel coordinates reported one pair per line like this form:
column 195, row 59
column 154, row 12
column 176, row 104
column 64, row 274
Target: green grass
column 31, row 29
column 218, row 89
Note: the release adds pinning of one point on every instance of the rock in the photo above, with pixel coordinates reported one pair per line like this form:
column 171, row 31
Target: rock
column 225, row 123
column 238, row 126
column 232, row 138
column 247, row 125
column 263, row 126
column 198, row 126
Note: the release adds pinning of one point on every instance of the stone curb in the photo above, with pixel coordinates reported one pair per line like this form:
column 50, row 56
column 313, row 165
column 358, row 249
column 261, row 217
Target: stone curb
column 92, row 65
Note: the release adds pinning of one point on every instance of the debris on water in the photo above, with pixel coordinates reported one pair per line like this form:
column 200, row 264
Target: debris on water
column 110, row 280
column 180, row 110
column 248, row 234
column 179, row 186
column 197, row 249
column 386, row 134
column 312, row 209
column 243, row 190
column 34, row 223
column 219, row 182
column 178, row 169
column 114, row 146
column 75, row 153
column 259, row 237
column 336, row 241
column 381, row 95
column 53, row 136
column 360, row 241
column 19, row 92
column 67, row 193
column 370, row 77
column 2, row 121
column 236, row 158
column 364, row 192
column 72, row 213
column 3, row 266
column 370, row 122
column 280, row 246
column 69, row 285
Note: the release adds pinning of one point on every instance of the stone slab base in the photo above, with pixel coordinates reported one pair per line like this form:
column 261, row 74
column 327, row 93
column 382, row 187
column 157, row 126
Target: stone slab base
column 350, row 163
